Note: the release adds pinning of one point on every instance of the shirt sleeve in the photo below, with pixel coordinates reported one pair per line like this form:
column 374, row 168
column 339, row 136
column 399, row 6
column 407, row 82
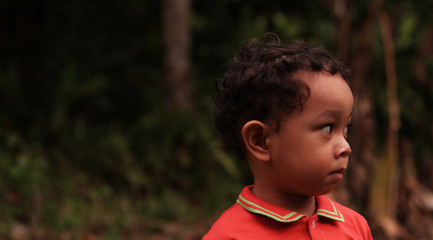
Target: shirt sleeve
column 367, row 231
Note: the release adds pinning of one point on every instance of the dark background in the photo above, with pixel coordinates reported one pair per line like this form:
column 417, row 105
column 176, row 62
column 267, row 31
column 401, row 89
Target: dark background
column 106, row 123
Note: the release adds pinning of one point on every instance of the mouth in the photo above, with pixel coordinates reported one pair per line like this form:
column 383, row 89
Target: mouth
column 339, row 171
column 338, row 175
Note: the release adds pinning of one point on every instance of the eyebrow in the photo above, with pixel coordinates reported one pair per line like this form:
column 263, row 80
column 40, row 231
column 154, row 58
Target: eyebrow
column 331, row 113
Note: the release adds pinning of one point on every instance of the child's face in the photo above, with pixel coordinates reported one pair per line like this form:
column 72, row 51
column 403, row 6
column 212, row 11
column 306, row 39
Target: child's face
column 309, row 154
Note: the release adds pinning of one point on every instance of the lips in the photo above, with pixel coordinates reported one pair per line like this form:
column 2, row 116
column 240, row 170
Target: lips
column 338, row 175
column 339, row 171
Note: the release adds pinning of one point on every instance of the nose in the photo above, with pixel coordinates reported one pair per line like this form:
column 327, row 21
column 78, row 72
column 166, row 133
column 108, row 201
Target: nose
column 342, row 149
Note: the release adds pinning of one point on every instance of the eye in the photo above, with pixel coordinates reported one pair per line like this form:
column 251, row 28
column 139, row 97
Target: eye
column 327, row 129
column 346, row 130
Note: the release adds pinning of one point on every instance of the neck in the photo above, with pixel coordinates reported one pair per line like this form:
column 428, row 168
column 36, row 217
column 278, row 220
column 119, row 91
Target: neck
column 302, row 204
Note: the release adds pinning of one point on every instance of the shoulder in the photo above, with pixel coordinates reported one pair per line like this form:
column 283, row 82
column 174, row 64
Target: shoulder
column 227, row 226
column 354, row 221
column 350, row 214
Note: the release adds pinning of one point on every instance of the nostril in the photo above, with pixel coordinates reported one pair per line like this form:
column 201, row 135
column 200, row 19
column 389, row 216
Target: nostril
column 343, row 150
column 346, row 153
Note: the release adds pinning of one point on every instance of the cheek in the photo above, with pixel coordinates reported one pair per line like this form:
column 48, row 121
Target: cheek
column 313, row 152
column 300, row 149
column 306, row 145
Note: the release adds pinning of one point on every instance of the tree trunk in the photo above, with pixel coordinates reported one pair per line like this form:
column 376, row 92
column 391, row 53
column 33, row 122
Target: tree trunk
column 385, row 180
column 363, row 118
column 176, row 37
column 342, row 10
column 393, row 118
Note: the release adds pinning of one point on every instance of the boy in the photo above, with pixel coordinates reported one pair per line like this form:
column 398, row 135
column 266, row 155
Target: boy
column 286, row 110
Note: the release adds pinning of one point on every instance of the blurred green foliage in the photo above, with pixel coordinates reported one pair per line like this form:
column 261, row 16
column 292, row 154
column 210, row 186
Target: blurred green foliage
column 87, row 144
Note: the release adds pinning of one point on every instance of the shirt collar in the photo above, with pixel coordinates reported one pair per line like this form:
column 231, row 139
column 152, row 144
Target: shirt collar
column 325, row 208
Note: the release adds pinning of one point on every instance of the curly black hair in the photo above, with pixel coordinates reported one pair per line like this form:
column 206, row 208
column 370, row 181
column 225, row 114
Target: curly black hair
column 259, row 84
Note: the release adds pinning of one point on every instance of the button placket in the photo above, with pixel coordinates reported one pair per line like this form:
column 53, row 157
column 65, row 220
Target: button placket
column 313, row 223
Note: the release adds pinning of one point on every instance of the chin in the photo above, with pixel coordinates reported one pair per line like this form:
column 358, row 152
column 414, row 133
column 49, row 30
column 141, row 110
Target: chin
column 324, row 191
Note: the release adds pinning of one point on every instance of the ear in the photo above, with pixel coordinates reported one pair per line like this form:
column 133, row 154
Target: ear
column 255, row 134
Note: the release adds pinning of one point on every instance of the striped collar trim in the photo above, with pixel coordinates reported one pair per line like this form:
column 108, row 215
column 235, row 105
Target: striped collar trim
column 325, row 208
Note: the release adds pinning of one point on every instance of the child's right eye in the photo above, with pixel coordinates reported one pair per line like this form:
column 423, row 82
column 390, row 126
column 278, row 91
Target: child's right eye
column 327, row 129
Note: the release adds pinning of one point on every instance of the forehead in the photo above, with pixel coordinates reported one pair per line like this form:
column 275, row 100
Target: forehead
column 328, row 92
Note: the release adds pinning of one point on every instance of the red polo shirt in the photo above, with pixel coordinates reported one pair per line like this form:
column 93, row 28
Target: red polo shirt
column 252, row 218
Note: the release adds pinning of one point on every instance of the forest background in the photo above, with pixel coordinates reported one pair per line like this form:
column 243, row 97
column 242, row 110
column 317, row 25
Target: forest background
column 106, row 120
